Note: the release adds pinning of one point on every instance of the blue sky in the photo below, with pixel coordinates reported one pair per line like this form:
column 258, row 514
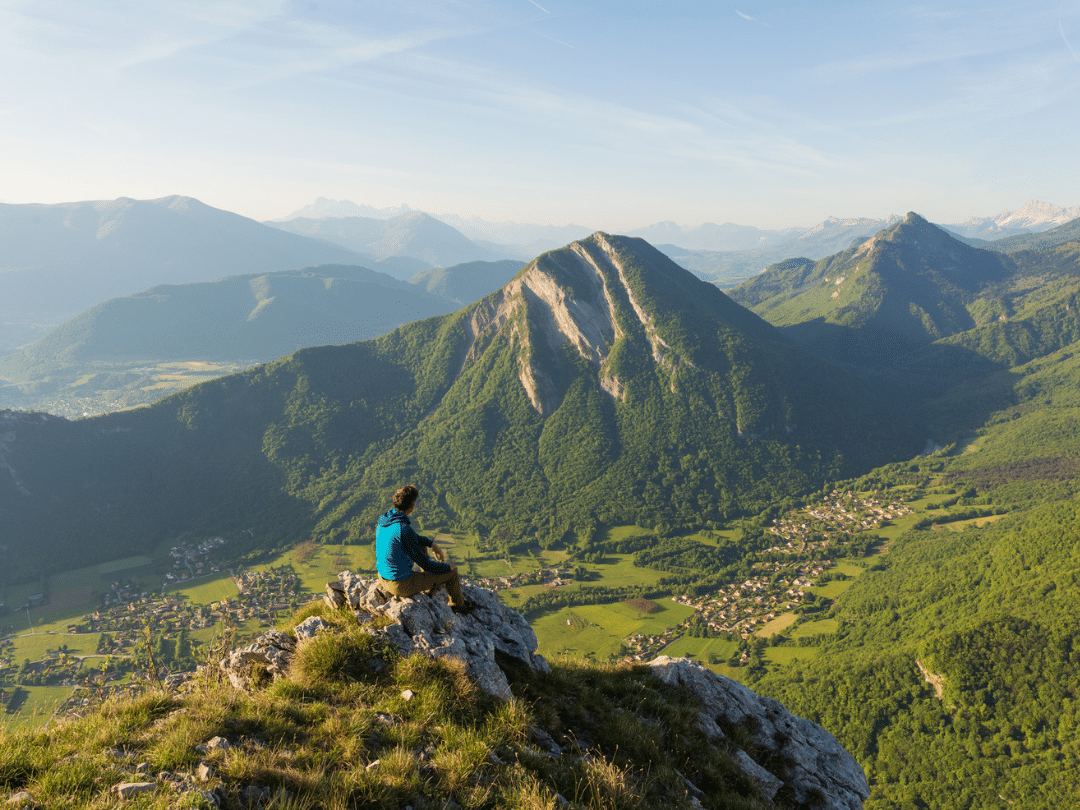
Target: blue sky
column 609, row 115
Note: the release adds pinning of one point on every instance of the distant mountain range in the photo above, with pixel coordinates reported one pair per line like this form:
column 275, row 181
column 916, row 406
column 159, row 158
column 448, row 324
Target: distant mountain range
column 712, row 237
column 519, row 240
column 1033, row 217
column 414, row 235
column 468, row 282
column 918, row 312
column 907, row 286
column 727, row 269
column 57, row 260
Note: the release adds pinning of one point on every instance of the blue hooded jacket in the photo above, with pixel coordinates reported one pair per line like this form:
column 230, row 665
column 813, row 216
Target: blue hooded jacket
column 397, row 547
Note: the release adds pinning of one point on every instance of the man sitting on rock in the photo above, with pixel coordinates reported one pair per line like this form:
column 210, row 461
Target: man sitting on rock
column 397, row 547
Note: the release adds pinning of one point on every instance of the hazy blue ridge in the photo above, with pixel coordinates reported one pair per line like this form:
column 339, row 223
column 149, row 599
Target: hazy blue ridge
column 258, row 317
column 468, row 282
column 67, row 257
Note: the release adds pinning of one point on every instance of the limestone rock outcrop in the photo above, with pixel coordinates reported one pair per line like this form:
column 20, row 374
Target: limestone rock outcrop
column 426, row 624
column 268, row 656
column 805, row 761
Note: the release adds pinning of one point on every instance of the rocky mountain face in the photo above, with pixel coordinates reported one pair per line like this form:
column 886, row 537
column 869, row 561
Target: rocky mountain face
column 782, row 755
column 603, row 383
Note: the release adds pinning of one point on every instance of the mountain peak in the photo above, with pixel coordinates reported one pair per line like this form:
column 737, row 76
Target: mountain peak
column 594, row 296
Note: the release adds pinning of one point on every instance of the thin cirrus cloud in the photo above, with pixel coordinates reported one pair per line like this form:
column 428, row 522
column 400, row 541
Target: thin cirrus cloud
column 317, row 48
column 1068, row 44
column 141, row 33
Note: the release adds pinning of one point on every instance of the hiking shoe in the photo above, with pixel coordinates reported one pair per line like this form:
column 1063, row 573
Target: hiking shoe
column 465, row 609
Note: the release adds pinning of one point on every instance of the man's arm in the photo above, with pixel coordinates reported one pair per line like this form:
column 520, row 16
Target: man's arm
column 414, row 548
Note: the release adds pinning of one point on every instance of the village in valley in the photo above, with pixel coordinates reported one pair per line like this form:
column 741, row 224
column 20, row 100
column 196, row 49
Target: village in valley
column 132, row 622
column 778, row 586
column 131, row 619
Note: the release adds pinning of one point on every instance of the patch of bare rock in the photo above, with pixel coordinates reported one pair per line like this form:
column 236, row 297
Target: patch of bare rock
column 807, row 763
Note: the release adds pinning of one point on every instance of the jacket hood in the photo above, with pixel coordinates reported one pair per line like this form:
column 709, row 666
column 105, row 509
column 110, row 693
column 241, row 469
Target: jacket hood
column 392, row 516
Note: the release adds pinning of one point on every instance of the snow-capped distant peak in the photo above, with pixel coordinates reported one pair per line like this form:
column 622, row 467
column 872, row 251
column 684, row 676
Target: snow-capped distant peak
column 1037, row 214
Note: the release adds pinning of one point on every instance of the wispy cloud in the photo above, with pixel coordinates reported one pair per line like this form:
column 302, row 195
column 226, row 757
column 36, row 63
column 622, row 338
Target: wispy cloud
column 1061, row 28
column 567, row 44
column 314, row 47
column 539, row 6
column 745, row 16
column 858, row 68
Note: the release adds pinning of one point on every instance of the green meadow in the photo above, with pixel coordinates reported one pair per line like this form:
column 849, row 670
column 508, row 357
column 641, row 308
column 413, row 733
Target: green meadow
column 834, row 589
column 601, row 630
column 36, row 706
column 777, row 625
column 36, row 646
column 815, row 628
column 701, row 648
column 782, row 656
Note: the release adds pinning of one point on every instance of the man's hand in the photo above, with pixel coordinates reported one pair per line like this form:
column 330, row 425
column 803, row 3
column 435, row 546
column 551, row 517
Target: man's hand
column 438, row 553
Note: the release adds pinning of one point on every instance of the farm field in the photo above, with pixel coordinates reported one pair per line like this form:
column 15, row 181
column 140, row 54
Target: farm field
column 777, row 625
column 35, row 707
column 600, row 630
column 701, row 648
column 979, row 522
column 597, row 631
column 815, row 628
column 35, row 646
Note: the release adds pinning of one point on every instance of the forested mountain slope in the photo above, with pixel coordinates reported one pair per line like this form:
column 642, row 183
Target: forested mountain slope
column 604, row 383
column 955, row 675
column 880, row 300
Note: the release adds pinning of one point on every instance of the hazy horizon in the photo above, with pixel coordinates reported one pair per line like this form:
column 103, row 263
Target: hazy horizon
column 613, row 116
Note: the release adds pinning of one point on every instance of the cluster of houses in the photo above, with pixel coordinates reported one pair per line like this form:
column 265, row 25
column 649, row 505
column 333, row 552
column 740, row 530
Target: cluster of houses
column 548, row 577
column 739, row 609
column 816, row 527
column 128, row 617
column 56, row 668
column 736, row 610
column 190, row 560
column 267, row 594
column 261, row 595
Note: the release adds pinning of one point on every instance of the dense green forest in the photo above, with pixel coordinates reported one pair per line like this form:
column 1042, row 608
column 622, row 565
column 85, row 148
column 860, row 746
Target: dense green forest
column 991, row 611
column 523, row 415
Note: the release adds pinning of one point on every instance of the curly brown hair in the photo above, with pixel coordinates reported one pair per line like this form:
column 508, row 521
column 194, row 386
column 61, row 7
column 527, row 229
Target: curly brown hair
column 405, row 497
